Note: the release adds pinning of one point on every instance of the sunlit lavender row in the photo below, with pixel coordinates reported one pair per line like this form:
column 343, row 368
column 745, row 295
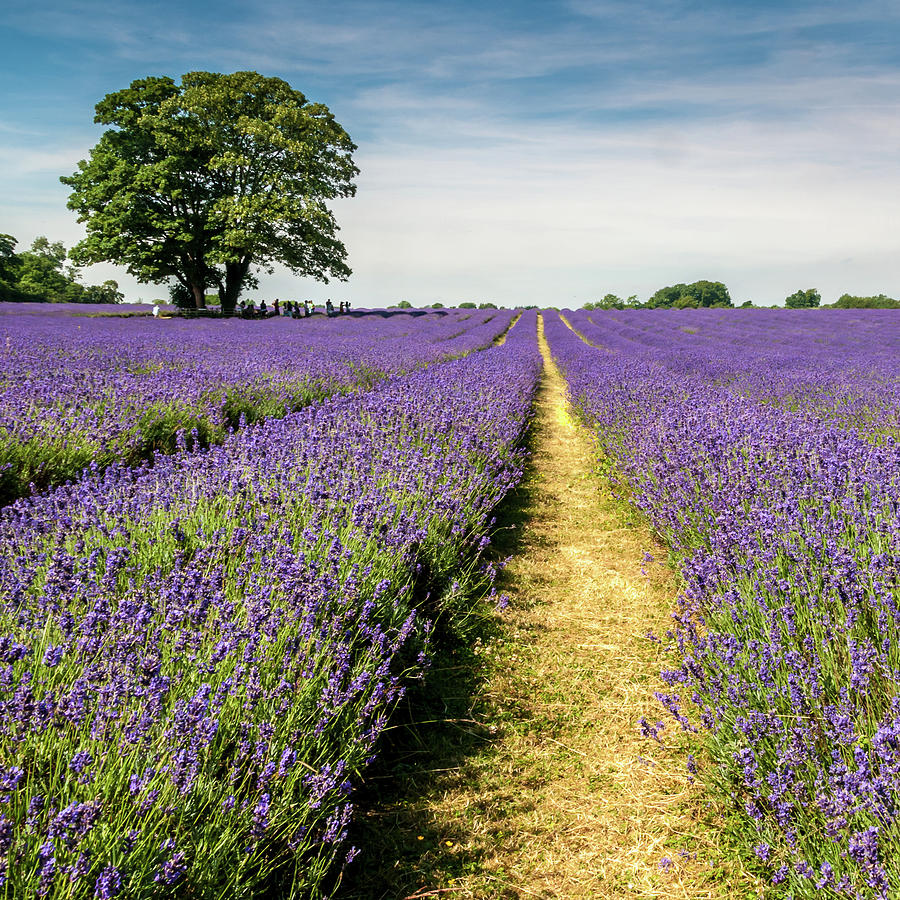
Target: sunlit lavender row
column 197, row 657
column 835, row 366
column 78, row 390
column 786, row 524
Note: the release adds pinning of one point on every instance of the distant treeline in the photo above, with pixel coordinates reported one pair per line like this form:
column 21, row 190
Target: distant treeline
column 714, row 295
column 708, row 294
column 468, row 304
column 880, row 301
column 43, row 275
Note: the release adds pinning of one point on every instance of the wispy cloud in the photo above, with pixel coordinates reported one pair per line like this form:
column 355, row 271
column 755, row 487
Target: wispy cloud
column 17, row 161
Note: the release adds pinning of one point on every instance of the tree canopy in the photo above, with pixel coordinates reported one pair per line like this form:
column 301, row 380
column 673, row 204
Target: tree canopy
column 879, row 301
column 803, row 299
column 611, row 301
column 203, row 181
column 700, row 293
column 10, row 264
column 42, row 274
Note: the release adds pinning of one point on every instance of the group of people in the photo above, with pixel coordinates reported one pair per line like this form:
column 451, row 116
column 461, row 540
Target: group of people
column 292, row 309
column 343, row 307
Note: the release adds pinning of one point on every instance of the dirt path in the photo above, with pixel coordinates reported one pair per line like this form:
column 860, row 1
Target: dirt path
column 568, row 800
column 501, row 340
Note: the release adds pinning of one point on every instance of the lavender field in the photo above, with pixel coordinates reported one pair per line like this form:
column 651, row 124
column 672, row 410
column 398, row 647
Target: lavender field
column 200, row 652
column 111, row 388
column 229, row 548
column 762, row 447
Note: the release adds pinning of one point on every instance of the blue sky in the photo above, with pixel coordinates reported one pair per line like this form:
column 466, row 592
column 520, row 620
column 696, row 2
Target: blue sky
column 521, row 152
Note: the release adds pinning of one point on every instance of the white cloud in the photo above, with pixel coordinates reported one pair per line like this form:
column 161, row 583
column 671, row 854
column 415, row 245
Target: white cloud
column 526, row 215
column 18, row 162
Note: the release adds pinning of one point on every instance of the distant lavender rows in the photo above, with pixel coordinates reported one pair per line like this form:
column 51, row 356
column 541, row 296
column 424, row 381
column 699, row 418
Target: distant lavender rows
column 839, row 366
column 197, row 658
column 785, row 518
column 77, row 390
column 63, row 310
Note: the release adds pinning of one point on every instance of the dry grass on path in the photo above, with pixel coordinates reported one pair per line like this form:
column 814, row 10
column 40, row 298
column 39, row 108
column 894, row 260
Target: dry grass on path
column 556, row 794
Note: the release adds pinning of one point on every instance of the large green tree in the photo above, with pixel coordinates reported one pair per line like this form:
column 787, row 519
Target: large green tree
column 699, row 293
column 203, row 181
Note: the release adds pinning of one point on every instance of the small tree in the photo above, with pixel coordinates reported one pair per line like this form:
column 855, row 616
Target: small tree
column 43, row 273
column 609, row 301
column 803, row 299
column 468, row 304
column 487, row 305
column 404, row 304
column 108, row 292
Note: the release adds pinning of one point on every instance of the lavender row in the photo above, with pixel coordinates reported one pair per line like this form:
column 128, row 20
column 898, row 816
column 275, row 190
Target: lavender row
column 197, row 657
column 786, row 644
column 834, row 366
column 81, row 390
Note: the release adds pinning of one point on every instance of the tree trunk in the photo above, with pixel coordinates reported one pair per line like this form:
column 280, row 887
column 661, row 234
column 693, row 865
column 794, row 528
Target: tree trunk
column 199, row 291
column 235, row 273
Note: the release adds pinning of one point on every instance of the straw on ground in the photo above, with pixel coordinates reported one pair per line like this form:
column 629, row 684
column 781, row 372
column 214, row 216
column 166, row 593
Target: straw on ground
column 559, row 795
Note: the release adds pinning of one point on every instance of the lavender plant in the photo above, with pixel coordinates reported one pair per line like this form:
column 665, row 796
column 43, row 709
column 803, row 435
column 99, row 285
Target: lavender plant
column 77, row 390
column 197, row 656
column 786, row 526
column 834, row 366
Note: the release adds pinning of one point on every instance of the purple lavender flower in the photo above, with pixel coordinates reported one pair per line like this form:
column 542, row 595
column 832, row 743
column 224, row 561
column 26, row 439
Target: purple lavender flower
column 769, row 465
column 53, row 655
column 108, row 884
column 286, row 763
column 172, row 869
column 261, row 816
column 80, row 761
